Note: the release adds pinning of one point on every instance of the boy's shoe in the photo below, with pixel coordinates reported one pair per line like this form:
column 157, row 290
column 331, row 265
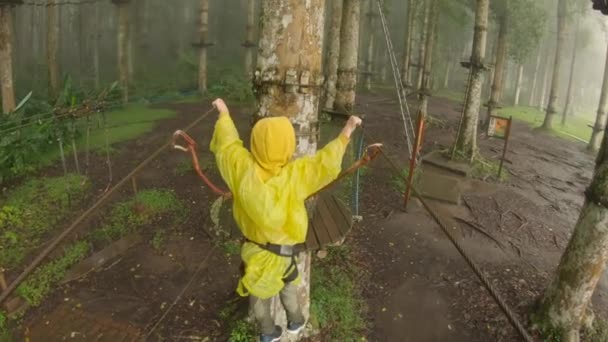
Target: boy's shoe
column 295, row 328
column 275, row 337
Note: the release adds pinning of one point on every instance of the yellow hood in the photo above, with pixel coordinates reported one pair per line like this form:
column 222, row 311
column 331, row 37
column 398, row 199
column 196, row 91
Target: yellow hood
column 273, row 143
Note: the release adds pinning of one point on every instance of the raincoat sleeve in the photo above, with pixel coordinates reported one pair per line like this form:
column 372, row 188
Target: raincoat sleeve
column 231, row 157
column 314, row 172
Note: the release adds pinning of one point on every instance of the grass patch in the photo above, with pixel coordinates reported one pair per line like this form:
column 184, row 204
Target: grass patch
column 336, row 303
column 146, row 207
column 449, row 94
column 399, row 181
column 242, row 331
column 159, row 239
column 484, row 168
column 35, row 288
column 231, row 247
column 575, row 125
column 32, row 210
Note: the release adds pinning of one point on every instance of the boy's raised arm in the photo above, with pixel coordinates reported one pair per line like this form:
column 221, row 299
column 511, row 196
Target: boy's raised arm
column 231, row 157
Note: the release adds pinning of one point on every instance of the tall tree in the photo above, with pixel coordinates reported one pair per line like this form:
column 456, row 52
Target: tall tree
column 6, row 58
column 534, row 88
column 123, row 46
column 349, row 55
column 518, row 82
column 422, row 46
column 581, row 39
column 333, row 56
column 425, row 87
column 96, row 37
column 369, row 63
column 563, row 304
column 501, row 54
column 290, row 45
column 466, row 141
column 602, row 110
column 249, row 38
column 555, row 83
column 406, row 76
column 52, row 37
column 203, row 43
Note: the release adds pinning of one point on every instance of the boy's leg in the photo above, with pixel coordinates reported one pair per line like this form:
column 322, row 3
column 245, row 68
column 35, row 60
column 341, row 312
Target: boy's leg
column 289, row 298
column 261, row 310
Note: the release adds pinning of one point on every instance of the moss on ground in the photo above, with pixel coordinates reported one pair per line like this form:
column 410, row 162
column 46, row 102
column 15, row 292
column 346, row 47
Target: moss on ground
column 577, row 126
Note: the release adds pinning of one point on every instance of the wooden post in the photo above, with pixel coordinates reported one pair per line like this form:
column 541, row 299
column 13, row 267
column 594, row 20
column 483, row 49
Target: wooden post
column 203, row 44
column 288, row 82
column 123, row 46
column 249, row 43
column 6, row 55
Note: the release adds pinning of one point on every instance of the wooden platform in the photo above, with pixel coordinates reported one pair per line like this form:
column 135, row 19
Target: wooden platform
column 330, row 223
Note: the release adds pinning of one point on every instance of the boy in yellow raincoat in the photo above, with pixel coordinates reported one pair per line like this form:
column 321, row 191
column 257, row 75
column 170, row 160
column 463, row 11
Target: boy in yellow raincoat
column 269, row 190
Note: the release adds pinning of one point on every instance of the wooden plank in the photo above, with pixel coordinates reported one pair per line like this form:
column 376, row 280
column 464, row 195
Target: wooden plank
column 345, row 215
column 327, row 215
column 320, row 230
column 311, row 239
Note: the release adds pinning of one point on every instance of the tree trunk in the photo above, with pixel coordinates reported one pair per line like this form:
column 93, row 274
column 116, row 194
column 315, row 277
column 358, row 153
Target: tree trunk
column 543, row 94
column 123, row 48
column 249, row 38
column 602, row 110
column 520, row 75
column 534, row 89
column 555, row 83
column 423, row 37
column 406, row 78
column 349, row 54
column 333, row 57
column 497, row 84
column 52, row 38
column 446, row 78
column 287, row 82
column 466, row 141
column 425, row 89
column 6, row 59
column 96, row 38
column 369, row 64
column 568, row 107
column 204, row 41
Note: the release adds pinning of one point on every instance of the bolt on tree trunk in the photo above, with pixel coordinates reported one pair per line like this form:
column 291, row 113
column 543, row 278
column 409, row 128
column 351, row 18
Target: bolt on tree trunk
column 6, row 59
column 423, row 36
column 288, row 82
column 555, row 83
column 333, row 57
column 370, row 46
column 568, row 107
column 466, row 141
column 123, row 47
column 520, row 75
column 497, row 83
column 602, row 110
column 349, row 55
column 249, row 38
column 52, row 36
column 407, row 51
column 534, row 89
column 203, row 43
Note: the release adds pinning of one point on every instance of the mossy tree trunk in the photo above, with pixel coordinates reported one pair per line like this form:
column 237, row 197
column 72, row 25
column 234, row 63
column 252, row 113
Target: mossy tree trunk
column 466, row 142
column 288, row 82
column 52, row 37
column 6, row 59
column 498, row 81
column 333, row 56
column 555, row 83
column 600, row 120
column 425, row 87
column 422, row 47
column 349, row 56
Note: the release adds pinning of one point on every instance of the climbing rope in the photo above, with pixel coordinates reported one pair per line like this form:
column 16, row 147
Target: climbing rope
column 356, row 215
column 403, row 106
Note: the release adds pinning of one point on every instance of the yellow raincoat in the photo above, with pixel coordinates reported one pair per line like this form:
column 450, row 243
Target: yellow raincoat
column 269, row 192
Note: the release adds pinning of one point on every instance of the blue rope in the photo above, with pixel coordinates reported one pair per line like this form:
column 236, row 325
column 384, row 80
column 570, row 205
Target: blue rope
column 357, row 175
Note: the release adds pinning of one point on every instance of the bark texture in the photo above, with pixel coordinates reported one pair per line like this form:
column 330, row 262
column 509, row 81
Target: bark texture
column 333, row 57
column 555, row 83
column 52, row 37
column 123, row 49
column 602, row 110
column 6, row 59
column 204, row 41
column 406, row 76
column 249, row 38
column 369, row 63
column 520, row 75
column 466, row 142
column 288, row 82
column 349, row 56
column 498, row 83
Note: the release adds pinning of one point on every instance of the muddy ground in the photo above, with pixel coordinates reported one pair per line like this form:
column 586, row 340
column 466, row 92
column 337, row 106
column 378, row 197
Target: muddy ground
column 420, row 288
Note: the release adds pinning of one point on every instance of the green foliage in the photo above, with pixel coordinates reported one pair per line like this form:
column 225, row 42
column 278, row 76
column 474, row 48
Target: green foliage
column 526, row 25
column 158, row 241
column 38, row 285
column 231, row 247
column 577, row 126
column 483, row 168
column 147, row 207
column 599, row 331
column 242, row 331
column 336, row 303
column 5, row 334
column 32, row 210
column 231, row 84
